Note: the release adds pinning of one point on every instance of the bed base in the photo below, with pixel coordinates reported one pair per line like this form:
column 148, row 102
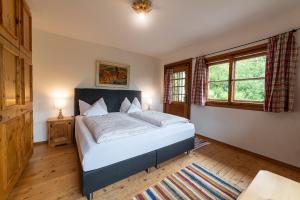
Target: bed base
column 99, row 178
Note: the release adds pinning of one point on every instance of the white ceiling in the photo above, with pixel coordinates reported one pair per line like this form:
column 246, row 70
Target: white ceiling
column 172, row 24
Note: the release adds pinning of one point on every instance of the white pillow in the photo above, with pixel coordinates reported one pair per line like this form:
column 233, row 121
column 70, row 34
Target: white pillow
column 133, row 108
column 102, row 104
column 83, row 106
column 137, row 103
column 95, row 110
column 125, row 105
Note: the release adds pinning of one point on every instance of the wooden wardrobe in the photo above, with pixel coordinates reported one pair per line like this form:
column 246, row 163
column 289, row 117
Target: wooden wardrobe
column 16, row 123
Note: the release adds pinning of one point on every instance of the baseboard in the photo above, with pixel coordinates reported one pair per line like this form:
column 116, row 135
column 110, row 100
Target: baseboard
column 250, row 153
column 41, row 142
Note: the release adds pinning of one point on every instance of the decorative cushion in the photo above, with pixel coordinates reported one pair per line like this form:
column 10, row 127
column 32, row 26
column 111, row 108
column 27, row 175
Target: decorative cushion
column 102, row 103
column 125, row 105
column 83, row 106
column 133, row 108
column 95, row 110
column 137, row 103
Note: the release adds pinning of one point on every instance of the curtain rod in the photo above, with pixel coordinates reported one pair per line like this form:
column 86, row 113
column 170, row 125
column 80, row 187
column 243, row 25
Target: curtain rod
column 294, row 30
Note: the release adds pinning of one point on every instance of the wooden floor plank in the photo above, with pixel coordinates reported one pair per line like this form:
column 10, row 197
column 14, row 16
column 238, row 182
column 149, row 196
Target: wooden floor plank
column 53, row 173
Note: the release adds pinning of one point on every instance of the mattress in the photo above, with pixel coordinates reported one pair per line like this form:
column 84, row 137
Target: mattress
column 94, row 156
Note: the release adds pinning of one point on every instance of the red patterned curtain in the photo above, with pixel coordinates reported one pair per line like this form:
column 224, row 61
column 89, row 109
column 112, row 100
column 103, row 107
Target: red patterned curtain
column 168, row 86
column 199, row 89
column 281, row 73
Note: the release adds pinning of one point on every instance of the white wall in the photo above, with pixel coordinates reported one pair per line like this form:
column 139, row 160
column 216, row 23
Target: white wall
column 273, row 135
column 62, row 64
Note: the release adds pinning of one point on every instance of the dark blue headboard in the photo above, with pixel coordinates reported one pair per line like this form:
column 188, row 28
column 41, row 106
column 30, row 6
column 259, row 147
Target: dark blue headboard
column 112, row 98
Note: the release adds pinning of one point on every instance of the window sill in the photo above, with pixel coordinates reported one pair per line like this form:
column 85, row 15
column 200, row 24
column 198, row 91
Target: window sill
column 237, row 105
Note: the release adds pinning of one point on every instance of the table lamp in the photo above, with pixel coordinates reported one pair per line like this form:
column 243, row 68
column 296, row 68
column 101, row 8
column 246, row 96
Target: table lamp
column 149, row 102
column 59, row 103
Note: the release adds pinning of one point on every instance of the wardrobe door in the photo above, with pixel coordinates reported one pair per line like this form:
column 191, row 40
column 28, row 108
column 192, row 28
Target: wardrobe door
column 29, row 122
column 10, row 154
column 10, row 122
column 9, row 20
column 9, row 72
column 26, row 35
column 26, row 80
column 3, row 189
column 27, row 137
column 15, row 92
column 26, row 106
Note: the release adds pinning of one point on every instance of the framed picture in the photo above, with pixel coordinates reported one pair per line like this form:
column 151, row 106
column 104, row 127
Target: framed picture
column 110, row 74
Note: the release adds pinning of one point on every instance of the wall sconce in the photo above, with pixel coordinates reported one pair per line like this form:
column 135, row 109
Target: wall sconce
column 60, row 103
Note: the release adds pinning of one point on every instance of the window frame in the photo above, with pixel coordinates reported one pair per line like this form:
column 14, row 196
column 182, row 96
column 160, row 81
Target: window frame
column 232, row 57
column 219, row 81
column 171, row 108
column 181, row 96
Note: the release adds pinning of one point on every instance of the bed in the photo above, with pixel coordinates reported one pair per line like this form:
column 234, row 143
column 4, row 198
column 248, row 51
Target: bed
column 108, row 162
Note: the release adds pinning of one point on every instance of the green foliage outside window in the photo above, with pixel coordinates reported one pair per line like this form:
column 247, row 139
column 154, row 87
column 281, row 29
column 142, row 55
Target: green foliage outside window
column 244, row 90
column 218, row 91
column 250, row 68
column 250, row 90
column 220, row 73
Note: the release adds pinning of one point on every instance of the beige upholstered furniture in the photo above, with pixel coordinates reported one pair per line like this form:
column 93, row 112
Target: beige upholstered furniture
column 269, row 186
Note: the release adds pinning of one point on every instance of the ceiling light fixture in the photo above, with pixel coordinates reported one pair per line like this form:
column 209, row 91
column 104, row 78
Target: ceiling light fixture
column 142, row 7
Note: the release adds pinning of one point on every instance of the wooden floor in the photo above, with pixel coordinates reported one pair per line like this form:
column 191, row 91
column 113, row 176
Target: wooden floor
column 53, row 173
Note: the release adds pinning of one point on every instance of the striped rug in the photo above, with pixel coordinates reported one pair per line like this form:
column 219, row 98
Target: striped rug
column 193, row 182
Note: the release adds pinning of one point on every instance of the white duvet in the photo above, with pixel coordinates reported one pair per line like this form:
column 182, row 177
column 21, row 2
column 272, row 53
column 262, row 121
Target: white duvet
column 158, row 118
column 114, row 126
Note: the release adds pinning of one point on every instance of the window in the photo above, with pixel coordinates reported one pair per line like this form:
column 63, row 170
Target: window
column 178, row 84
column 237, row 79
column 218, row 81
column 249, row 79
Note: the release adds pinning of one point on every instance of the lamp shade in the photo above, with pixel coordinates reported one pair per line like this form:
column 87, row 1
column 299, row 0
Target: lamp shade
column 148, row 101
column 59, row 103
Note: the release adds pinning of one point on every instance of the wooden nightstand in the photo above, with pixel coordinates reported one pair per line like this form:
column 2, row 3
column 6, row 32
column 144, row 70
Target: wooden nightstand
column 60, row 131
